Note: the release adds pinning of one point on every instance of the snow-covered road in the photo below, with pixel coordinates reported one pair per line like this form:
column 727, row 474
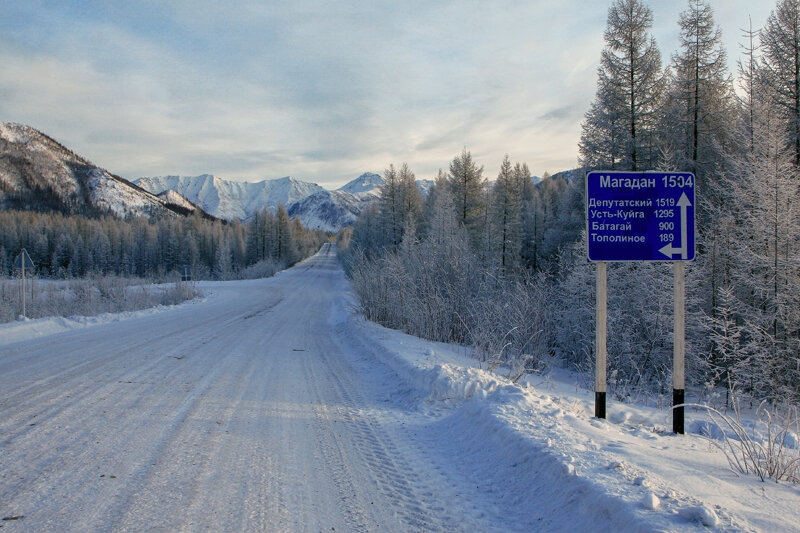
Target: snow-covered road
column 249, row 412
column 271, row 405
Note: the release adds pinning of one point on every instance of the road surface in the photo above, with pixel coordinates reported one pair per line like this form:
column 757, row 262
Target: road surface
column 249, row 412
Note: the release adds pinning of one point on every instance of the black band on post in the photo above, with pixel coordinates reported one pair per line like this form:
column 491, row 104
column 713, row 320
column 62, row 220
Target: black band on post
column 600, row 404
column 677, row 412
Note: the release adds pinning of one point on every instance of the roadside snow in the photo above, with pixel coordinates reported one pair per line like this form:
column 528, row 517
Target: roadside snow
column 27, row 328
column 272, row 405
column 626, row 471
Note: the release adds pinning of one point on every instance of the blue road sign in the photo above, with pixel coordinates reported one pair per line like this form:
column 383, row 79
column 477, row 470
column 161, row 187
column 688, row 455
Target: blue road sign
column 640, row 216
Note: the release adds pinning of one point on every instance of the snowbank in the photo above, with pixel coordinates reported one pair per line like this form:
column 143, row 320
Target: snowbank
column 627, row 473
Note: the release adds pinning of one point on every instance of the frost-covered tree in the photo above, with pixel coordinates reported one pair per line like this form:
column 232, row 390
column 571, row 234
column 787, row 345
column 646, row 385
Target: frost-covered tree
column 764, row 253
column 780, row 40
column 698, row 109
column 400, row 205
column 411, row 197
column 282, row 240
column 76, row 246
column 603, row 137
column 467, row 186
column 367, row 238
column 618, row 132
column 506, row 215
column 223, row 266
column 391, row 208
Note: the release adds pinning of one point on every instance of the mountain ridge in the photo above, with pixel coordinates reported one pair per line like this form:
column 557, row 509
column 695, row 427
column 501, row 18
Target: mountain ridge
column 39, row 173
column 315, row 206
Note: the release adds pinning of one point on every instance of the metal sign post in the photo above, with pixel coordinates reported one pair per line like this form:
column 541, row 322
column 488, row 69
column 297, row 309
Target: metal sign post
column 23, row 261
column 600, row 343
column 641, row 216
column 186, row 277
column 678, row 349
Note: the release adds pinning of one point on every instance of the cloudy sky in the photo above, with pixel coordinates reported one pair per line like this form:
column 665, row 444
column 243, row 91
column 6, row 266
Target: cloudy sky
column 319, row 90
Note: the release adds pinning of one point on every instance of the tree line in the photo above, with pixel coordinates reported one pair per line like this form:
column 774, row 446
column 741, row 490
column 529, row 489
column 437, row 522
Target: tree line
column 75, row 246
column 452, row 266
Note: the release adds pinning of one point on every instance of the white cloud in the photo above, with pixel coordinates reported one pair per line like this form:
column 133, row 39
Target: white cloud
column 319, row 90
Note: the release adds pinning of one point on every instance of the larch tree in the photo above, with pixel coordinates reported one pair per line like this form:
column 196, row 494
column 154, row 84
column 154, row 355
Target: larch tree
column 699, row 103
column 622, row 122
column 764, row 276
column 440, row 184
column 282, row 238
column 506, row 216
column 696, row 130
column 467, row 186
column 390, row 208
column 410, row 196
column 780, row 40
column 601, row 145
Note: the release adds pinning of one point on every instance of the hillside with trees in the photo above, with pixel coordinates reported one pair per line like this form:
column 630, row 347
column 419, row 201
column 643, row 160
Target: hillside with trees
column 72, row 246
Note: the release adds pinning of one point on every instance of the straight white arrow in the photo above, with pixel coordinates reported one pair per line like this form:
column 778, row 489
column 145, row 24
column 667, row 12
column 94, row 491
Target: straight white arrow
column 669, row 250
column 684, row 203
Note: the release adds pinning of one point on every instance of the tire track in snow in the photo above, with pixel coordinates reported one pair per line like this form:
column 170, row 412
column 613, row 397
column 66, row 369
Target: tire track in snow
column 236, row 448
column 167, row 454
column 241, row 433
column 164, row 373
column 402, row 411
column 405, row 492
column 73, row 384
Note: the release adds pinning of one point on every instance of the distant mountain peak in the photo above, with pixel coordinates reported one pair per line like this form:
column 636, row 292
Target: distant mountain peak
column 232, row 200
column 366, row 183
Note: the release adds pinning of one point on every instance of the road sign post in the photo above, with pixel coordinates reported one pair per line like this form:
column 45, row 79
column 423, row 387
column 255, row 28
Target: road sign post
column 678, row 348
column 641, row 216
column 600, row 343
column 23, row 261
column 186, row 277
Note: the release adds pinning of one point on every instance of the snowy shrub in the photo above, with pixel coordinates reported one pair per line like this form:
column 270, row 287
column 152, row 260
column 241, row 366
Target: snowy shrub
column 506, row 325
column 112, row 288
column 87, row 297
column 265, row 268
column 768, row 447
column 639, row 324
column 437, row 291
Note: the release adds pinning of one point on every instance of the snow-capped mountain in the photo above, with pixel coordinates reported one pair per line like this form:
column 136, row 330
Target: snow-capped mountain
column 315, row 206
column 36, row 172
column 366, row 184
column 570, row 176
column 369, row 184
column 330, row 210
column 231, row 200
column 424, row 186
column 173, row 198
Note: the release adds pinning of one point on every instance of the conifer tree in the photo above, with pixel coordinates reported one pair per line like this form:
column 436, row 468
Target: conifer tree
column 698, row 111
column 621, row 124
column 467, row 186
column 411, row 197
column 506, row 214
column 391, row 208
column 780, row 40
column 282, row 236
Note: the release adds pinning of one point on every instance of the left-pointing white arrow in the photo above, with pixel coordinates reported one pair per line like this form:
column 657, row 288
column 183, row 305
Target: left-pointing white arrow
column 670, row 250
